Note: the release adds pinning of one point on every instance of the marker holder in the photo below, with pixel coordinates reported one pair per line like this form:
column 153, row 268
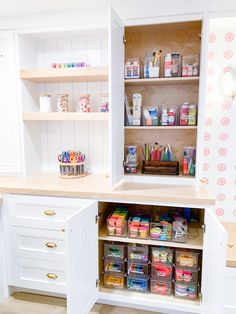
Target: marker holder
column 72, row 170
column 160, row 167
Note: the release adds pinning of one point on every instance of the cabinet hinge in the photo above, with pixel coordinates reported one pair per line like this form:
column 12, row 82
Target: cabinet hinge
column 200, row 296
column 124, row 40
column 204, row 228
column 97, row 282
column 97, row 218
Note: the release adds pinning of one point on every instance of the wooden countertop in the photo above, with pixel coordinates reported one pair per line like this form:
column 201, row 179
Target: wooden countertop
column 96, row 186
column 231, row 252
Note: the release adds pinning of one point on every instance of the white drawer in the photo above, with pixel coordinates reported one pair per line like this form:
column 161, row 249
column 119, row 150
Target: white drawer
column 229, row 288
column 38, row 244
column 42, row 212
column 39, row 275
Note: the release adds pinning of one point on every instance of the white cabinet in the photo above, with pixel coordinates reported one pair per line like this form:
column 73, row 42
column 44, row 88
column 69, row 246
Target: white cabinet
column 229, row 291
column 10, row 153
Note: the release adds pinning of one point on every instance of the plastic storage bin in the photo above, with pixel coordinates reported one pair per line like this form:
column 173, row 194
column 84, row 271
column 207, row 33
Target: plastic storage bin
column 113, row 266
column 117, row 223
column 186, row 275
column 137, row 284
column 180, row 231
column 138, row 227
column 159, row 287
column 114, row 281
column 187, row 259
column 138, row 253
column 186, row 291
column 115, row 251
column 161, row 272
column 161, row 231
column 137, row 269
column 162, row 255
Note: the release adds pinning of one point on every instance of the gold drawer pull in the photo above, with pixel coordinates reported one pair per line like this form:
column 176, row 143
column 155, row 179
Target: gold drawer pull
column 203, row 180
column 52, row 276
column 63, row 229
column 51, row 245
column 49, row 212
column 230, row 245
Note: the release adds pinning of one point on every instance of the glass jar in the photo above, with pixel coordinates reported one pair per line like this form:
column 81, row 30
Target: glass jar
column 104, row 102
column 45, row 104
column 84, row 103
column 62, row 102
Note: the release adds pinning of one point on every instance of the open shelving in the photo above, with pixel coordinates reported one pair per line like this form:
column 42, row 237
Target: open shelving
column 65, row 116
column 162, row 81
column 160, row 127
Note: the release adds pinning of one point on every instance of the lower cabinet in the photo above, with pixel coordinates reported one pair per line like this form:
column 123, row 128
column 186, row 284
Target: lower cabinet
column 57, row 246
column 229, row 291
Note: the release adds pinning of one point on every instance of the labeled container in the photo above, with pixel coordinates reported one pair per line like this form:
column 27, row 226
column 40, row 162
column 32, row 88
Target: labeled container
column 84, row 103
column 114, row 281
column 114, row 266
column 161, row 231
column 187, row 259
column 162, row 255
column 137, row 269
column 180, row 230
column 161, row 272
column 138, row 253
column 186, row 291
column 104, row 102
column 159, row 287
column 114, row 251
column 168, row 65
column 45, row 104
column 137, row 284
column 186, row 275
column 138, row 227
column 62, row 102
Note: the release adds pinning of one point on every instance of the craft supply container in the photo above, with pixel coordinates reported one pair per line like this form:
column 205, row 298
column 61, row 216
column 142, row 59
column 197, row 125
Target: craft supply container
column 45, row 104
column 161, row 272
column 114, row 251
column 104, row 102
column 186, row 275
column 180, row 231
column 159, row 287
column 116, row 227
column 114, row 281
column 138, row 229
column 115, row 267
column 187, row 259
column 71, row 170
column 137, row 269
column 162, row 255
column 186, row 291
column 138, row 253
column 62, row 103
column 160, row 231
column 137, row 284
column 155, row 167
column 132, row 169
column 84, row 103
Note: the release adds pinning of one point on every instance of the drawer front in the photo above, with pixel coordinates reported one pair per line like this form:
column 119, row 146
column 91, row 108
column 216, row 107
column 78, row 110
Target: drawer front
column 38, row 244
column 39, row 275
column 230, row 284
column 42, row 212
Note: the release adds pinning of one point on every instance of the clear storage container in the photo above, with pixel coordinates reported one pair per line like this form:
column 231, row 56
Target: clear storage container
column 161, row 231
column 114, row 266
column 186, row 275
column 138, row 227
column 162, row 255
column 138, row 284
column 117, row 223
column 114, row 251
column 161, row 272
column 159, row 287
column 180, row 230
column 186, row 291
column 187, row 259
column 137, row 269
column 114, row 281
column 138, row 253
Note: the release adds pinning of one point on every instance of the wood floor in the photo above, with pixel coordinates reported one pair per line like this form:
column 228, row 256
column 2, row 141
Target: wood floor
column 25, row 303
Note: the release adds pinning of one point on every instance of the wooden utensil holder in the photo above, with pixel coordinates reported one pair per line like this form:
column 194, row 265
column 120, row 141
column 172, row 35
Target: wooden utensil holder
column 160, row 167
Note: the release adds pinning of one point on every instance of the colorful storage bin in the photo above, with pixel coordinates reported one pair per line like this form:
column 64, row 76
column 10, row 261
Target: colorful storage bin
column 159, row 287
column 162, row 255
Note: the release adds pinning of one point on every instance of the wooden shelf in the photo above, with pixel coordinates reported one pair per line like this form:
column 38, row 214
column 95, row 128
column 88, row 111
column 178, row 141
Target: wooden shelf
column 65, row 116
column 177, row 127
column 163, row 81
column 62, row 75
column 195, row 239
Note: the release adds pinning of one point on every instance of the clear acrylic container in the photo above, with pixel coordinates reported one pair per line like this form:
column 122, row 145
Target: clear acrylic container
column 138, row 284
column 160, row 287
column 180, row 230
column 162, row 255
column 114, row 251
column 161, row 272
column 138, row 253
column 117, row 223
column 186, row 291
column 115, row 267
column 138, row 229
column 137, row 269
column 187, row 259
column 161, row 231
column 114, row 281
column 186, row 275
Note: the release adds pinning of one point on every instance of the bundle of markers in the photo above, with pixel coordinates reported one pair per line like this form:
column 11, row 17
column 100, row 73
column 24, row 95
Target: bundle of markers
column 157, row 152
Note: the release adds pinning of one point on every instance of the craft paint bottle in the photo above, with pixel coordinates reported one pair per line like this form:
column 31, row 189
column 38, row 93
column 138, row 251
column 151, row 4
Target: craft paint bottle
column 168, row 65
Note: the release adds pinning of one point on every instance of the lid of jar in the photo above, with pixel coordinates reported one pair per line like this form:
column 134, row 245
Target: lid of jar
column 84, row 95
column 46, row 95
column 62, row 94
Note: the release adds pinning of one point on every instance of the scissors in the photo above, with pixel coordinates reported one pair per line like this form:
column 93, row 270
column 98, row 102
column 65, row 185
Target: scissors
column 80, row 157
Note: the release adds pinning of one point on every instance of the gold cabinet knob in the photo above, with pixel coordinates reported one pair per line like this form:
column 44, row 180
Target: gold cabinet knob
column 230, row 244
column 203, row 180
column 49, row 212
column 51, row 245
column 63, row 229
column 52, row 276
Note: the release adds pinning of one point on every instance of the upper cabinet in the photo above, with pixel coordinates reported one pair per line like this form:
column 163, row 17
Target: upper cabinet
column 10, row 150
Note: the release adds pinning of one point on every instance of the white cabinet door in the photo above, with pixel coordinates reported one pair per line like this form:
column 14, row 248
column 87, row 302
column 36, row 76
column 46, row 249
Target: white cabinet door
column 82, row 259
column 10, row 158
column 213, row 265
column 116, row 92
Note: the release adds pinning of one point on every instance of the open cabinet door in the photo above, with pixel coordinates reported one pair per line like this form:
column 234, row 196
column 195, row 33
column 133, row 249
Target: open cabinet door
column 213, row 265
column 82, row 259
column 116, row 92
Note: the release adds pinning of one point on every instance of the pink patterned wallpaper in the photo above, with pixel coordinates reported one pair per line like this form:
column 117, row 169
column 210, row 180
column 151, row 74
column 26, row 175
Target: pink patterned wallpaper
column 219, row 166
